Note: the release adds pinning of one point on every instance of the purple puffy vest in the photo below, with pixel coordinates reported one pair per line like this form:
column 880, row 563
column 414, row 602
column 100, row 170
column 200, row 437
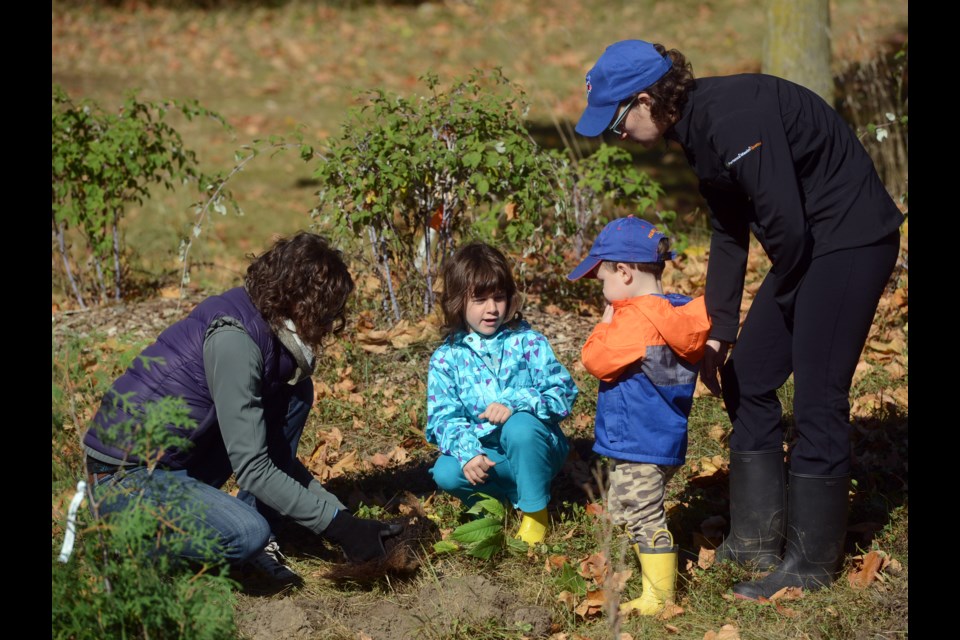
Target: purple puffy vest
column 173, row 366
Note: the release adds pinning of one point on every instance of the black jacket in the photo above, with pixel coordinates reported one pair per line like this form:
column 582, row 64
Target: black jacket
column 773, row 157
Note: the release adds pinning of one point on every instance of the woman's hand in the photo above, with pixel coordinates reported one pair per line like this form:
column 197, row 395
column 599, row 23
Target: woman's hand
column 496, row 413
column 714, row 356
column 476, row 469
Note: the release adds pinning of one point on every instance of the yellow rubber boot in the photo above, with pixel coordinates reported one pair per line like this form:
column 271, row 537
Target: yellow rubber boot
column 658, row 574
column 533, row 527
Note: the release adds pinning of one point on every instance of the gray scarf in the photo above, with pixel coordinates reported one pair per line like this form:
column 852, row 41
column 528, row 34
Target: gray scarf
column 306, row 360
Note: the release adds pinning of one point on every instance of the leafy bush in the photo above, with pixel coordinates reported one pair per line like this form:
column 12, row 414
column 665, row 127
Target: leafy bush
column 410, row 177
column 127, row 577
column 103, row 162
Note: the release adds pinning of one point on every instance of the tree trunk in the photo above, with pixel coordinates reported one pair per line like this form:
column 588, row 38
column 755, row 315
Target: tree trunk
column 797, row 44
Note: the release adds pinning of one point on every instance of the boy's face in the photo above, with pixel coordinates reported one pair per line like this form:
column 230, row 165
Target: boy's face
column 485, row 313
column 615, row 282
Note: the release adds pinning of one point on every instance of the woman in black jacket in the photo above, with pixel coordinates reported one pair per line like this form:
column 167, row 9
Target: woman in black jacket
column 774, row 159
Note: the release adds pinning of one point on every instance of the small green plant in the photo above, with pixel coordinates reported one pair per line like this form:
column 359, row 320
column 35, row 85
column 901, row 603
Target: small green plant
column 127, row 577
column 406, row 175
column 485, row 536
column 101, row 164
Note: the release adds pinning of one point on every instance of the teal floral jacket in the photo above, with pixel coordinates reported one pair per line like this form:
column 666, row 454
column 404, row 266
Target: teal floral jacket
column 515, row 367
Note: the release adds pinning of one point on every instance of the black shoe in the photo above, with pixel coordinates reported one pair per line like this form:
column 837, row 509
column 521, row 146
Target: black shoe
column 816, row 530
column 360, row 539
column 757, row 509
column 270, row 563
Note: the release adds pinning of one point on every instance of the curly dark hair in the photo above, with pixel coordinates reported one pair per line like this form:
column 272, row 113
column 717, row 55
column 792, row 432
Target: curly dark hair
column 305, row 279
column 476, row 269
column 669, row 93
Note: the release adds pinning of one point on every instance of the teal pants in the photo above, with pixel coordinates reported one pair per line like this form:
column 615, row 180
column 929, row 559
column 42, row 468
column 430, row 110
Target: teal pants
column 528, row 455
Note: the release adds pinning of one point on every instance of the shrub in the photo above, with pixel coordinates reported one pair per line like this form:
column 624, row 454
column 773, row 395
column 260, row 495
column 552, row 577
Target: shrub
column 408, row 177
column 103, row 162
column 127, row 577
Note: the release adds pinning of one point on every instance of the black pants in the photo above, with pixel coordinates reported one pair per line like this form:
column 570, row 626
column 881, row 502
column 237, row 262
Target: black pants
column 834, row 308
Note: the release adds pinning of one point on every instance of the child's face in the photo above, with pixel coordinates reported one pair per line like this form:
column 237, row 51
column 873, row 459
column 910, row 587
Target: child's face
column 485, row 313
column 614, row 282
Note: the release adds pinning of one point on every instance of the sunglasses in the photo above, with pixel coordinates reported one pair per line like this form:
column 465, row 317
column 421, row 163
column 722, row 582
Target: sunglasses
column 618, row 122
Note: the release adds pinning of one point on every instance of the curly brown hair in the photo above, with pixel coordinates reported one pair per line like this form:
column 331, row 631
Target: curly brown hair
column 669, row 93
column 305, row 279
column 476, row 269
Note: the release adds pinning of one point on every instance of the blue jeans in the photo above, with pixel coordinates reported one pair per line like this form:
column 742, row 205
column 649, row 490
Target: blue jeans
column 240, row 526
column 528, row 454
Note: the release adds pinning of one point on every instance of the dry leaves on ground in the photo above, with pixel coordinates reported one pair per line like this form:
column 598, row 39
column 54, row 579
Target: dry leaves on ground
column 870, row 568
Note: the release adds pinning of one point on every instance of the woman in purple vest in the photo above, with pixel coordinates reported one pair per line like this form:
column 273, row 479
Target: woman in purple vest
column 241, row 361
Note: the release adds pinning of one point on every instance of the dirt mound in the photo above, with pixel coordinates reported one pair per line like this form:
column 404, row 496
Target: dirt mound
column 441, row 609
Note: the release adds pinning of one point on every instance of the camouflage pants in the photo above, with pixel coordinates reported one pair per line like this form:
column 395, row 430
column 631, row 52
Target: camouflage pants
column 636, row 497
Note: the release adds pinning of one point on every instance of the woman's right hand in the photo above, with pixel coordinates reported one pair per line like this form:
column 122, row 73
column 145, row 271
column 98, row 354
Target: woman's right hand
column 476, row 469
column 714, row 355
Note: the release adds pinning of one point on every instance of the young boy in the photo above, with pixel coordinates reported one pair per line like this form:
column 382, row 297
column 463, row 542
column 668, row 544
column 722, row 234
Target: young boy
column 644, row 351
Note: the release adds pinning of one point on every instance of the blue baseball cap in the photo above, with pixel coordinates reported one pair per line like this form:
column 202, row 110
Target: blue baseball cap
column 625, row 68
column 627, row 239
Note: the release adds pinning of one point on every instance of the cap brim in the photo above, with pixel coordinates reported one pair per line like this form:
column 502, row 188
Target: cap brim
column 588, row 265
column 595, row 119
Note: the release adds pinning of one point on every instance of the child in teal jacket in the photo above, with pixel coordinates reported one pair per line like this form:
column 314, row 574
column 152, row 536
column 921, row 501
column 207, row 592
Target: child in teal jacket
column 495, row 393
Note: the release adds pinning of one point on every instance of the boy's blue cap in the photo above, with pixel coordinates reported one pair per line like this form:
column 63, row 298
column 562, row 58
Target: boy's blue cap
column 625, row 68
column 622, row 240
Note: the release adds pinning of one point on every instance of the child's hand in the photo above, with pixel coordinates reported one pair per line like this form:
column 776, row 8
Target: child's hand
column 476, row 469
column 607, row 314
column 496, row 413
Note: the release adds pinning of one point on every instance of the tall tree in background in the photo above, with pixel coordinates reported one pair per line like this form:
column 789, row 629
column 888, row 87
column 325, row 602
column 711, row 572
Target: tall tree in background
column 797, row 44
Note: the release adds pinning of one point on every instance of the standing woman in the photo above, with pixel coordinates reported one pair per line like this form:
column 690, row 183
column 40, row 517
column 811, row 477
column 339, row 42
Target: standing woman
column 774, row 159
column 241, row 361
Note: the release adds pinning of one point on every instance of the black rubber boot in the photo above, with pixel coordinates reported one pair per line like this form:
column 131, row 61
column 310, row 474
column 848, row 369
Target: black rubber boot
column 758, row 493
column 360, row 539
column 816, row 529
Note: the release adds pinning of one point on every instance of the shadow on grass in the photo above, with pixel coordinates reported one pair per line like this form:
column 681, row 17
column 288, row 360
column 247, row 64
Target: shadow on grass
column 879, row 476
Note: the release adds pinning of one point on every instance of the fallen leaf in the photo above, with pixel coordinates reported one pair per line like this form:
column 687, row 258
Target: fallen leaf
column 594, row 509
column 345, row 385
column 787, row 593
column 866, row 569
column 592, row 605
column 398, row 455
column 568, row 599
column 379, row 460
column 717, row 432
column 348, row 463
column 728, row 632
column 379, row 349
column 787, row 611
column 671, row 628
column 618, row 580
column 706, row 558
column 895, row 369
column 594, row 567
column 895, row 346
column 670, row 610
column 554, row 562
